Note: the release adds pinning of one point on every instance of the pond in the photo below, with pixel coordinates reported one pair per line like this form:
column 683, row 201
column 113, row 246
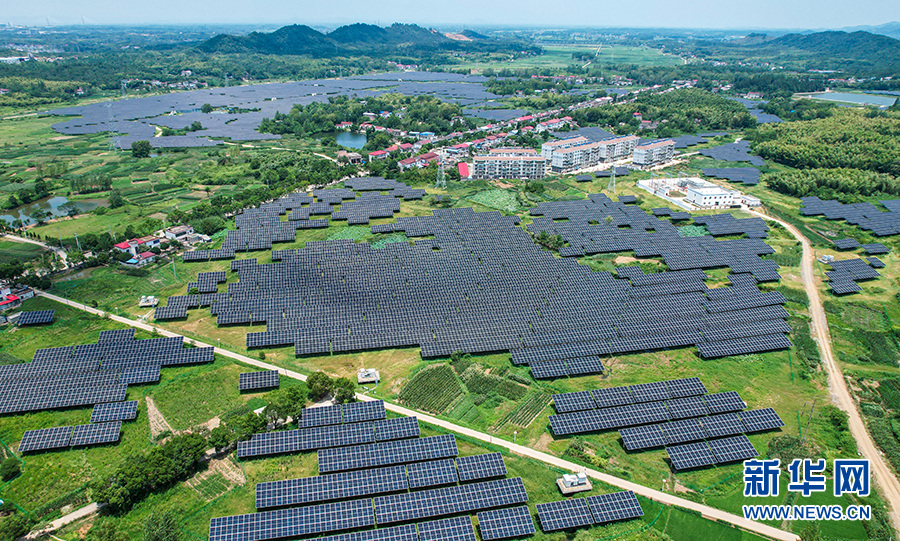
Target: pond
column 48, row 204
column 861, row 99
column 347, row 139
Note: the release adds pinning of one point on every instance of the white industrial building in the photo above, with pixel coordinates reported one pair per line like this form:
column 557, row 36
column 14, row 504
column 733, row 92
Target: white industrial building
column 693, row 193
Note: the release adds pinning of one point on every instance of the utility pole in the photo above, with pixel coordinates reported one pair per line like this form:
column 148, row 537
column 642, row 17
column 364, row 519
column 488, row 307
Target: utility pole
column 612, row 180
column 78, row 243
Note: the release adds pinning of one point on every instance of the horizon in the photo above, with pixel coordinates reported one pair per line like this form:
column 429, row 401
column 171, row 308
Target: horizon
column 657, row 14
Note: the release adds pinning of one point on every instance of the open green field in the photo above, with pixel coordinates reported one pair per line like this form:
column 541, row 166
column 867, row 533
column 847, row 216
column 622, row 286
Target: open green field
column 560, row 56
column 22, row 251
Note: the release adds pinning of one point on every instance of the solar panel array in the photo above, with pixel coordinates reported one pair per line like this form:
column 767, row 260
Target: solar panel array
column 865, row 215
column 321, row 437
column 70, row 436
column 90, row 374
column 114, row 411
column 293, row 522
column 134, row 118
column 620, row 172
column 267, row 379
column 746, row 175
column 628, row 394
column 387, row 453
column 847, row 272
column 733, row 152
column 505, row 523
column 580, row 512
column 96, row 434
column 46, row 438
column 846, row 244
column 339, row 296
column 449, row 500
column 36, row 317
column 701, row 428
column 718, row 451
column 875, row 248
column 627, row 408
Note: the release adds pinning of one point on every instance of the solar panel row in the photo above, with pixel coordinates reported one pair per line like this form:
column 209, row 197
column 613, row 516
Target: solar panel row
column 321, row 437
column 718, row 451
column 629, row 394
column 580, row 512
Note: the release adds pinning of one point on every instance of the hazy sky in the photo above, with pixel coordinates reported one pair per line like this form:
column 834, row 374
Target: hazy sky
column 643, row 13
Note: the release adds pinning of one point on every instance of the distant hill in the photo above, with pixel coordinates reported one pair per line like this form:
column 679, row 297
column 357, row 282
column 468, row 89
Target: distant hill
column 859, row 51
column 891, row 29
column 351, row 39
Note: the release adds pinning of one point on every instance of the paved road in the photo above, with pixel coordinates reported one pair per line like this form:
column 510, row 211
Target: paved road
column 884, row 476
column 656, row 495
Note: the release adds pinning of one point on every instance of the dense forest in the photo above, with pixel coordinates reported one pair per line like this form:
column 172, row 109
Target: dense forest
column 848, row 138
column 416, row 113
column 684, row 111
column 845, row 185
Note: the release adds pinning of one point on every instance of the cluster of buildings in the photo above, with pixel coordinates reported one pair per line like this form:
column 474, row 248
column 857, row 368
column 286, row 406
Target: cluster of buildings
column 695, row 193
column 140, row 248
column 12, row 295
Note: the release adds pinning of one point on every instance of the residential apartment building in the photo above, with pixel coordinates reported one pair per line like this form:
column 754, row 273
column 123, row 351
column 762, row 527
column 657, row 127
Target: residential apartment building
column 654, row 153
column 549, row 147
column 500, row 163
column 617, row 148
column 575, row 157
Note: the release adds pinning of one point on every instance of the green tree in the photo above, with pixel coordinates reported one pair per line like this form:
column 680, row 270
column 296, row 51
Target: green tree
column 9, row 468
column 344, row 390
column 140, row 149
column 206, row 108
column 115, row 199
column 162, row 527
column 220, row 437
column 320, row 384
column 105, row 529
column 285, row 403
column 13, row 527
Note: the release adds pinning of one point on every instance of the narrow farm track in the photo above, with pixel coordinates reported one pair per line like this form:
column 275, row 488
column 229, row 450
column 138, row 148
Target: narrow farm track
column 656, row 495
column 884, row 476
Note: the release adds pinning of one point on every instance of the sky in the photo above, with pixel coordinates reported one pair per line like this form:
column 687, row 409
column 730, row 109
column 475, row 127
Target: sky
column 781, row 14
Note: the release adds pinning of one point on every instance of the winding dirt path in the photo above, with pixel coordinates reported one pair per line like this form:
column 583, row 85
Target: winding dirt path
column 840, row 394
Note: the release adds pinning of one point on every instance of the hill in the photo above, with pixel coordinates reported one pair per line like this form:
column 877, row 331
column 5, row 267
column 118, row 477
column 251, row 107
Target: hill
column 891, row 29
column 857, row 52
column 351, row 39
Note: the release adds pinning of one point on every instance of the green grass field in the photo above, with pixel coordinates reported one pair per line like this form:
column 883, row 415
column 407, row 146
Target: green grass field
column 560, row 56
column 22, row 251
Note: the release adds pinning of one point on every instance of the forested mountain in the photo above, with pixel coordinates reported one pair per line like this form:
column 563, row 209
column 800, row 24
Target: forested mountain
column 860, row 52
column 355, row 38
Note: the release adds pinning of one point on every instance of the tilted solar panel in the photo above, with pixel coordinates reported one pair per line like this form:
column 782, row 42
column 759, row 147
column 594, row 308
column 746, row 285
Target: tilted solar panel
column 448, row 529
column 761, row 420
column 613, row 507
column 114, row 411
column 732, row 449
column 483, row 466
column 690, row 455
column 564, row 515
column 505, row 523
column 431, row 474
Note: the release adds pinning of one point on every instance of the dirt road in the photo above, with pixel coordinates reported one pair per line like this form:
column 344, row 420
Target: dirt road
column 840, row 394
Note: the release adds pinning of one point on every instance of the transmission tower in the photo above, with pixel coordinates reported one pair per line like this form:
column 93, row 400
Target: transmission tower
column 612, row 180
column 441, row 179
column 110, row 127
column 124, row 87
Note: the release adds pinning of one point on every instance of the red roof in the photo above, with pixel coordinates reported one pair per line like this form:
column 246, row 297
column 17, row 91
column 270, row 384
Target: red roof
column 123, row 245
column 406, row 146
column 9, row 299
column 377, row 153
column 463, row 168
column 146, row 255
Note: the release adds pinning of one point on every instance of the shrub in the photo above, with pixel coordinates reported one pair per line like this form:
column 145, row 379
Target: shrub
column 10, row 468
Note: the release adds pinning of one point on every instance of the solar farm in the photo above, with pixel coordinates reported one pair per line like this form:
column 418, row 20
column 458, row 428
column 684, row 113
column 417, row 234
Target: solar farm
column 341, row 296
column 395, row 484
column 135, row 119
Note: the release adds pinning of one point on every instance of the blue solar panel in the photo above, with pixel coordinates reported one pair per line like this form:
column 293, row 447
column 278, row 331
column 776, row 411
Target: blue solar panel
column 564, row 515
column 505, row 523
